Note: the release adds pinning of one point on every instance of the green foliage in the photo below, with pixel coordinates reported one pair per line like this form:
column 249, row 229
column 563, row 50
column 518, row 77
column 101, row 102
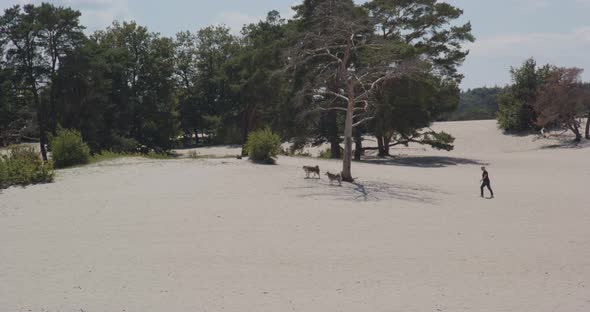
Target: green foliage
column 516, row 111
column 126, row 89
column 263, row 146
column 439, row 140
column 228, row 135
column 23, row 166
column 476, row 104
column 124, row 145
column 68, row 149
column 110, row 155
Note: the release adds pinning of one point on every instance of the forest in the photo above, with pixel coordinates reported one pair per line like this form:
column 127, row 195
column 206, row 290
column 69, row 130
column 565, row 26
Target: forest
column 336, row 72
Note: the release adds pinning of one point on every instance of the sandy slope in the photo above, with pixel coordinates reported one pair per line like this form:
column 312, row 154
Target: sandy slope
column 226, row 235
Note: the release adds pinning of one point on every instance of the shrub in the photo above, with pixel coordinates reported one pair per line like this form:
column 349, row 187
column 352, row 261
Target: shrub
column 23, row 166
column 326, row 154
column 124, row 145
column 68, row 149
column 263, row 146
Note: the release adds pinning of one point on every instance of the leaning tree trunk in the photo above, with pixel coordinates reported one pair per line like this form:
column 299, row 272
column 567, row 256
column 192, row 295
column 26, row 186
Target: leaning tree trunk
column 588, row 127
column 576, row 130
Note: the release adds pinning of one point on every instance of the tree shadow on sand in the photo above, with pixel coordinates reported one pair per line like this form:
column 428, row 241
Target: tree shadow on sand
column 370, row 191
column 424, row 161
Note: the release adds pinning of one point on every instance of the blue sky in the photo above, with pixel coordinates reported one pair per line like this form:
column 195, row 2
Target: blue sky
column 508, row 31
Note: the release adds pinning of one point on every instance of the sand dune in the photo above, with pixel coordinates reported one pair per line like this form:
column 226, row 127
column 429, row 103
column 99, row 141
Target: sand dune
column 226, row 235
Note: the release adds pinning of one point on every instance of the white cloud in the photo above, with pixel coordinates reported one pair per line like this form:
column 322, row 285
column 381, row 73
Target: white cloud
column 491, row 57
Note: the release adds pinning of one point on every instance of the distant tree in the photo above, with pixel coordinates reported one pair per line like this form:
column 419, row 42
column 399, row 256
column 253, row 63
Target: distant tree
column 516, row 111
column 561, row 100
column 476, row 104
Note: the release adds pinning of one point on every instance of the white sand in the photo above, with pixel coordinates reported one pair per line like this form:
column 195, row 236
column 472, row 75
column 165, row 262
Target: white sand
column 227, row 235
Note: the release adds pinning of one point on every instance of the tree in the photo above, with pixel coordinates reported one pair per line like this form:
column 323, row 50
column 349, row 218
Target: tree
column 142, row 101
column 215, row 46
column 349, row 64
column 21, row 29
column 560, row 100
column 38, row 38
column 253, row 74
column 516, row 111
column 407, row 106
column 428, row 26
column 186, row 65
column 476, row 104
column 586, row 105
column 61, row 34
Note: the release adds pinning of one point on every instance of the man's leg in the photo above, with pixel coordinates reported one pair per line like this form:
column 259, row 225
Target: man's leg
column 482, row 188
column 490, row 188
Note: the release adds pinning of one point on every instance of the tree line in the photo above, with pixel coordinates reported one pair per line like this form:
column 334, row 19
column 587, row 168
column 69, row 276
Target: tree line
column 336, row 73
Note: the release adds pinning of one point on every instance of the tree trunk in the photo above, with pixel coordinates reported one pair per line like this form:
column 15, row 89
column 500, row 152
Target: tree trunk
column 42, row 131
column 335, row 149
column 41, row 119
column 358, row 152
column 197, row 141
column 347, row 163
column 576, row 130
column 386, row 143
column 349, row 123
column 588, row 127
column 383, row 143
column 334, row 135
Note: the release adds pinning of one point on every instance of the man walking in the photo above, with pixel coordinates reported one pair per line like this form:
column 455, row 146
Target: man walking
column 486, row 182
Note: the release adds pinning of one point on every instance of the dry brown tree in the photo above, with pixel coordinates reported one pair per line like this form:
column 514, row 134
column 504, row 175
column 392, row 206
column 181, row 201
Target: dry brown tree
column 345, row 64
column 560, row 100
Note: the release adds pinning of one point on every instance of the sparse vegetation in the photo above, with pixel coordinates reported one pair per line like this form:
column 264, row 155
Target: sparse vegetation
column 24, row 166
column 263, row 146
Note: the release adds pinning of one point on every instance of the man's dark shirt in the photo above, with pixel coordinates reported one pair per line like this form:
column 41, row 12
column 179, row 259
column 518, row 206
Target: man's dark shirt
column 486, row 177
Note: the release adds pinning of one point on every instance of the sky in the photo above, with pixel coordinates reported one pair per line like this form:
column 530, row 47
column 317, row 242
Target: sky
column 507, row 31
